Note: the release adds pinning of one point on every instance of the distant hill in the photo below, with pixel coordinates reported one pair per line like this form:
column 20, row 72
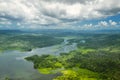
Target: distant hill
column 62, row 31
column 10, row 31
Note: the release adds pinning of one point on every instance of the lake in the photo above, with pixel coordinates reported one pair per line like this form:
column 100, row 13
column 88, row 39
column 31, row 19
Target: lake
column 14, row 66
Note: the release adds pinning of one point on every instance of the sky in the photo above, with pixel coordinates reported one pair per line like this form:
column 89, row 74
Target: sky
column 60, row 14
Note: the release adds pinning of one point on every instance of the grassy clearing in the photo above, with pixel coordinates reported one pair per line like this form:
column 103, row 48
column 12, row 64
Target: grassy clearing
column 85, row 50
column 78, row 74
column 45, row 70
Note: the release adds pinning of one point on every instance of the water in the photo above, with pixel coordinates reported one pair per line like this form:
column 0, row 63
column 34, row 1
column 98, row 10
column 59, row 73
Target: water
column 14, row 66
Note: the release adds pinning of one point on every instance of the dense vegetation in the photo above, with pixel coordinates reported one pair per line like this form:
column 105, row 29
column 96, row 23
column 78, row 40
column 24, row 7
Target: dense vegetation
column 26, row 42
column 97, row 58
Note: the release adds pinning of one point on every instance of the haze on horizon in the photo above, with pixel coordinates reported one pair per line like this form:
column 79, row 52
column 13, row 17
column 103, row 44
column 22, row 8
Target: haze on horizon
column 60, row 14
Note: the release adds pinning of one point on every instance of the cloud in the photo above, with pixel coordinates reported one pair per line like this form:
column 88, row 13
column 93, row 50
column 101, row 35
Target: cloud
column 80, row 9
column 4, row 21
column 88, row 25
column 112, row 23
column 108, row 23
column 42, row 13
column 103, row 23
column 18, row 24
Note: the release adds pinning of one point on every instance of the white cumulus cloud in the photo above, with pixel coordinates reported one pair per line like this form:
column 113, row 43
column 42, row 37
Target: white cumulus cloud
column 112, row 23
column 103, row 23
column 51, row 12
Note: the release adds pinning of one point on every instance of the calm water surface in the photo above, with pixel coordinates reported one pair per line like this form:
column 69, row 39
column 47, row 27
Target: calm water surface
column 14, row 66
